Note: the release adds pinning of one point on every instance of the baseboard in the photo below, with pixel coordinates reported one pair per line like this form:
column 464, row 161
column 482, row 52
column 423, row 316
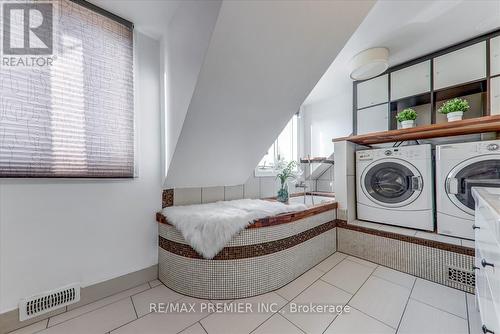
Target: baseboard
column 9, row 321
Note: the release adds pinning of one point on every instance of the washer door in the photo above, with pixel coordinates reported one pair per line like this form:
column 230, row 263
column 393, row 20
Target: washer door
column 391, row 182
column 483, row 171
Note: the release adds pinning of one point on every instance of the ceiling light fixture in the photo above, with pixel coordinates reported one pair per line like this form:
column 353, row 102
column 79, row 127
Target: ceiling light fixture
column 369, row 63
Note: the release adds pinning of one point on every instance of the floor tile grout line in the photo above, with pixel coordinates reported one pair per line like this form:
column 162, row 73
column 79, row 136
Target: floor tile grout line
column 400, row 285
column 406, row 305
column 378, row 320
column 319, row 278
column 135, row 310
column 146, row 314
column 277, row 314
column 347, row 303
column 289, row 301
column 199, row 322
column 349, row 292
column 467, row 312
column 371, row 316
column 98, row 308
column 437, row 308
column 271, row 314
column 331, row 284
column 276, row 291
column 300, row 329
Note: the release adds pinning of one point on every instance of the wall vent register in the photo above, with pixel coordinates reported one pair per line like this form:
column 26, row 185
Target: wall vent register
column 48, row 301
column 458, row 275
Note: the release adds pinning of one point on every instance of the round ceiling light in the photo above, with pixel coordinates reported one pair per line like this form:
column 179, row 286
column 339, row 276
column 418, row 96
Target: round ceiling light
column 369, row 63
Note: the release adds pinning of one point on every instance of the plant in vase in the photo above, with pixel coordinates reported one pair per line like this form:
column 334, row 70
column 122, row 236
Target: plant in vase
column 285, row 171
column 407, row 118
column 454, row 109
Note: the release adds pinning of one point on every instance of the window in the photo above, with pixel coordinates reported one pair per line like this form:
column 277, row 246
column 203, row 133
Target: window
column 285, row 147
column 75, row 117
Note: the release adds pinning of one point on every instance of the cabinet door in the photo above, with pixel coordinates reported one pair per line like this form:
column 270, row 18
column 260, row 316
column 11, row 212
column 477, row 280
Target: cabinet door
column 373, row 91
column 495, row 56
column 495, row 96
column 373, row 119
column 464, row 65
column 412, row 80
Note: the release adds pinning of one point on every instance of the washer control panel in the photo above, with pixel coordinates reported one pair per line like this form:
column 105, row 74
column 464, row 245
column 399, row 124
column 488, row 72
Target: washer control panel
column 405, row 152
column 488, row 147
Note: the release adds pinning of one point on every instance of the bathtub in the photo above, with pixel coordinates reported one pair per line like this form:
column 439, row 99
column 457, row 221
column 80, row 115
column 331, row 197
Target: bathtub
column 311, row 200
column 265, row 256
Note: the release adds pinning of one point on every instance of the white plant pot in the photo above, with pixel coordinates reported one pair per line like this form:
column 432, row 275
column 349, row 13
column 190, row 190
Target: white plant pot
column 455, row 116
column 407, row 124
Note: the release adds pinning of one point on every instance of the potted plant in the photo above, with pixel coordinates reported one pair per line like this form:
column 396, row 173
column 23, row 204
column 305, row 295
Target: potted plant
column 285, row 172
column 454, row 109
column 407, row 118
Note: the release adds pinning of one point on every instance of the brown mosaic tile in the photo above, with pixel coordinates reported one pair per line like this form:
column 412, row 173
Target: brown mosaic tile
column 248, row 251
column 415, row 240
column 167, row 198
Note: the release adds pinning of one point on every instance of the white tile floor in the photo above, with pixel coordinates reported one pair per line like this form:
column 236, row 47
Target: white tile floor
column 381, row 300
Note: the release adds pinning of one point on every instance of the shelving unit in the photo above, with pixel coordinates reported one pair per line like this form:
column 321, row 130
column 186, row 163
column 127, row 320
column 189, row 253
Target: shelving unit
column 457, row 128
column 469, row 70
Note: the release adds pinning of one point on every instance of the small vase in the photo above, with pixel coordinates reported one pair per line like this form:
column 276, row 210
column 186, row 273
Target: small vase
column 283, row 193
column 407, row 124
column 455, row 116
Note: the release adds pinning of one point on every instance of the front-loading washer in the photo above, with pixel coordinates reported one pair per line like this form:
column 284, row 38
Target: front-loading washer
column 395, row 186
column 459, row 167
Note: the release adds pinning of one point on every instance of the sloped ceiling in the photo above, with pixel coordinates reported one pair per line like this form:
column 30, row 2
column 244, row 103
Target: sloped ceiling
column 263, row 59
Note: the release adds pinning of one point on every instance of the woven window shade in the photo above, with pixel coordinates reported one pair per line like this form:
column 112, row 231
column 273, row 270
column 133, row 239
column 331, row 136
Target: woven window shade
column 76, row 117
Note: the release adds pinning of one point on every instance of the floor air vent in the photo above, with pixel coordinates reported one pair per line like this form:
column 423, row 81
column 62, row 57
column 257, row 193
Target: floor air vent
column 461, row 276
column 39, row 304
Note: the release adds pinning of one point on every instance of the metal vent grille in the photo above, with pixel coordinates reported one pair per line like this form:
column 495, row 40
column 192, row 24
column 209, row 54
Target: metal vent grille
column 461, row 276
column 42, row 303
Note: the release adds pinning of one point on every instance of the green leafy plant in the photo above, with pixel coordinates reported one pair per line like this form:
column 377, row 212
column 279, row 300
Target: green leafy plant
column 286, row 170
column 407, row 114
column 454, row 105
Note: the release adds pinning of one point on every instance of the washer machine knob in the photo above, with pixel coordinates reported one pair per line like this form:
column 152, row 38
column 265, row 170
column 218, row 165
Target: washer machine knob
column 492, row 147
column 388, row 152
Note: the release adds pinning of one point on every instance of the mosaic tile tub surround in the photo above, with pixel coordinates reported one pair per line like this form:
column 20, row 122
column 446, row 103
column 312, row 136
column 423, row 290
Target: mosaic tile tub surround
column 262, row 258
column 446, row 264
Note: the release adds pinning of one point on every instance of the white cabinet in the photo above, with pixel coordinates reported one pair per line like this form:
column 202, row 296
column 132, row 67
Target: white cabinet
column 457, row 67
column 495, row 96
column 373, row 91
column 487, row 261
column 412, row 80
column 373, row 119
column 495, row 56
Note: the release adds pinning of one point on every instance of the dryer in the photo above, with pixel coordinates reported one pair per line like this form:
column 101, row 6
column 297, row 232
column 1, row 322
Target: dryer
column 459, row 167
column 395, row 186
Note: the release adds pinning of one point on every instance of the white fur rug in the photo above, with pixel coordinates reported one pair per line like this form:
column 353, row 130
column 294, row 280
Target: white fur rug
column 209, row 227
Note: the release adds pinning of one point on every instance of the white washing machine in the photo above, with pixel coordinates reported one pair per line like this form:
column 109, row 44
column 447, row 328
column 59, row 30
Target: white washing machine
column 395, row 186
column 459, row 167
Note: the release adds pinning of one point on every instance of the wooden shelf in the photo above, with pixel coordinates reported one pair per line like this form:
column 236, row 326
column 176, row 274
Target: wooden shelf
column 457, row 128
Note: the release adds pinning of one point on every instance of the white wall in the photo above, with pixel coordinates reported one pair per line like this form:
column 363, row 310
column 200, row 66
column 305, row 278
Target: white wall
column 326, row 120
column 55, row 232
column 183, row 50
column 263, row 60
